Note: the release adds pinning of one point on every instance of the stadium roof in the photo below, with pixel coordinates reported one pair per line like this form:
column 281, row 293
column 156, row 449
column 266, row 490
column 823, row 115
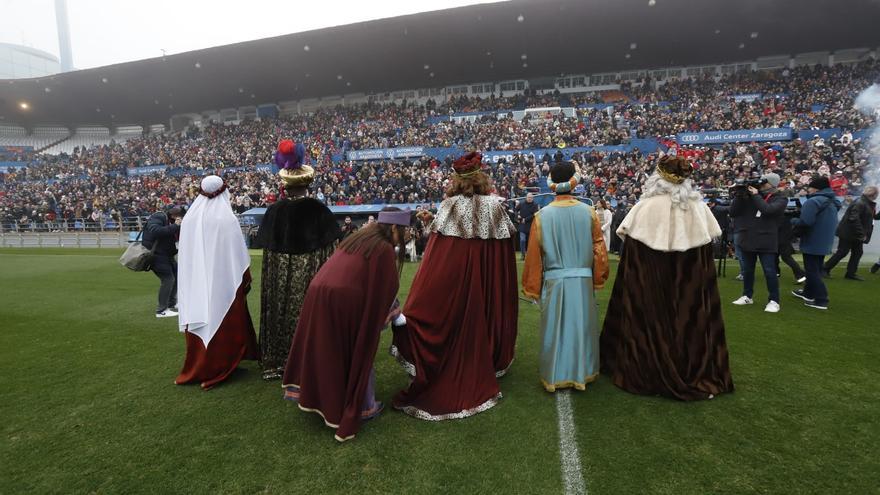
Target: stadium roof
column 481, row 43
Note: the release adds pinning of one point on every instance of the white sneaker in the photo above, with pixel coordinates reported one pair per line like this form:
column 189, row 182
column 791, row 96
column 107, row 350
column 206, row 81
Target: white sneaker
column 744, row 300
column 772, row 307
column 801, row 280
column 166, row 314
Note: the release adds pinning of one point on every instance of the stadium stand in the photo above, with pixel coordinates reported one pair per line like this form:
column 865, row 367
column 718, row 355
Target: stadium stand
column 376, row 142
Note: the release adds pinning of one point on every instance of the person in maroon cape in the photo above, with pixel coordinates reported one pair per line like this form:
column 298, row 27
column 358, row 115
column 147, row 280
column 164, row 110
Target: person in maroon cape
column 213, row 281
column 461, row 312
column 352, row 298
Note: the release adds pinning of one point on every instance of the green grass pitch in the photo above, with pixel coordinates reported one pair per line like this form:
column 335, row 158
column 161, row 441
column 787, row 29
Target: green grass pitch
column 87, row 405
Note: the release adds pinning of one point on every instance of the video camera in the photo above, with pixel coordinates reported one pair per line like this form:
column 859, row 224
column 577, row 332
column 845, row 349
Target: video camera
column 793, row 208
column 741, row 187
column 716, row 196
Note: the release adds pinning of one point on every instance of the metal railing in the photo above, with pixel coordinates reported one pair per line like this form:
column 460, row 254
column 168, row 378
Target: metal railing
column 129, row 224
column 64, row 239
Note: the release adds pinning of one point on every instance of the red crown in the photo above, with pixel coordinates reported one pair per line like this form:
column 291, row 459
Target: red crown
column 286, row 146
column 468, row 163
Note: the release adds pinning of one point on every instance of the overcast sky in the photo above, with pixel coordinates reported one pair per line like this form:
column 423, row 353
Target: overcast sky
column 105, row 32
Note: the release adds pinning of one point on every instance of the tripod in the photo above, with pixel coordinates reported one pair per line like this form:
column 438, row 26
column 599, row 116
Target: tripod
column 722, row 255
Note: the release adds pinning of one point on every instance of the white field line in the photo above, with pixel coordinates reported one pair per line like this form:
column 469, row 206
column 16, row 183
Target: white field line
column 570, row 458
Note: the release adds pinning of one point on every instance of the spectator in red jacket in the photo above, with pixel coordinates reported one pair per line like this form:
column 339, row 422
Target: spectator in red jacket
column 839, row 183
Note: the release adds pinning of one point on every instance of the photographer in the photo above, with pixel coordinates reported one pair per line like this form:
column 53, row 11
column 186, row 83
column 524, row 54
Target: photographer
column 160, row 235
column 757, row 213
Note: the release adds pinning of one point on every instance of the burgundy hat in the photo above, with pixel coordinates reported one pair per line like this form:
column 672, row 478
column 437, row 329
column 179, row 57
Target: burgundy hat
column 468, row 164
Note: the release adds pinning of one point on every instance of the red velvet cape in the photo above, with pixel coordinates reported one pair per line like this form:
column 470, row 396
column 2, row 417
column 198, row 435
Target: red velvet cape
column 338, row 333
column 234, row 341
column 461, row 327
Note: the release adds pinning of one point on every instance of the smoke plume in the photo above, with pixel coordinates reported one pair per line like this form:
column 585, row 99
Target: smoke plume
column 868, row 102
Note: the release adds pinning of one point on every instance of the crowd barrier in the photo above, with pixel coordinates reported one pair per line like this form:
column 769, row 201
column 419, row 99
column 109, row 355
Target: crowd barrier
column 64, row 239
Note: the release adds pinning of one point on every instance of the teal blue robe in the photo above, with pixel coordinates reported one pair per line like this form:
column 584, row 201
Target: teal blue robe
column 565, row 239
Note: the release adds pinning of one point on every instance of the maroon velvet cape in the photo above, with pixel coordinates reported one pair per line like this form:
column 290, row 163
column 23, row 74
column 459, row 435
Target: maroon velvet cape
column 337, row 336
column 234, row 341
column 461, row 327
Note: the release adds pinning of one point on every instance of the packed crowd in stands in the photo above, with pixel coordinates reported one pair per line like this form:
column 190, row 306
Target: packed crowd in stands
column 92, row 184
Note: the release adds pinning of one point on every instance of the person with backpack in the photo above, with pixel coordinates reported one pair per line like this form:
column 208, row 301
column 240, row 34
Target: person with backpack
column 160, row 235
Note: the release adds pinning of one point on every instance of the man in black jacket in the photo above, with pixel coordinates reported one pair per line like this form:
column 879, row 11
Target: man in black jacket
column 161, row 231
column 757, row 214
column 786, row 250
column 526, row 211
column 616, row 219
column 854, row 230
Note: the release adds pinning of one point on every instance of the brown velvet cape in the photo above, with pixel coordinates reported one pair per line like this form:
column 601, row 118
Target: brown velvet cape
column 663, row 332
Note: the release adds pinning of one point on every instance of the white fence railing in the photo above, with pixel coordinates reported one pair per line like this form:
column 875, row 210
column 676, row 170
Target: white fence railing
column 64, row 239
column 129, row 224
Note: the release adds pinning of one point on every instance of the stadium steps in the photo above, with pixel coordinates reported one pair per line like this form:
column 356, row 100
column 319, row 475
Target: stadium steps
column 53, row 143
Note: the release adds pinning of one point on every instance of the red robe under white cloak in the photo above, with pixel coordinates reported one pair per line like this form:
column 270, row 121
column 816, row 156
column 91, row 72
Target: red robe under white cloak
column 213, row 281
column 234, row 341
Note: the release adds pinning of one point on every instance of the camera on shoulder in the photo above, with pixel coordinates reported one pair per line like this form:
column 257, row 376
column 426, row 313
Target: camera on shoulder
column 741, row 187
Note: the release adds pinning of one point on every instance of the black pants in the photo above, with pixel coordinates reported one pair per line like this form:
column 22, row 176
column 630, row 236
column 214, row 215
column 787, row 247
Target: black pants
column 815, row 287
column 785, row 254
column 166, row 269
column 854, row 248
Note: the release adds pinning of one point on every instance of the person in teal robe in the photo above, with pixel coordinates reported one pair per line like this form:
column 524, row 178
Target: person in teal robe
column 566, row 262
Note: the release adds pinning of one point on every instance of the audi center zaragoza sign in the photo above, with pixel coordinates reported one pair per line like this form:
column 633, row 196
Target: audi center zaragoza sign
column 737, row 136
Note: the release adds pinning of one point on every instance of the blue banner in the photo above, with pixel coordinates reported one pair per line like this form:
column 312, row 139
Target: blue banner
column 599, row 106
column 810, row 134
column 7, row 166
column 16, row 149
column 386, row 153
column 436, row 119
column 152, row 169
column 737, row 136
column 746, row 97
column 496, row 156
column 267, row 111
column 180, row 172
column 477, row 114
column 442, row 153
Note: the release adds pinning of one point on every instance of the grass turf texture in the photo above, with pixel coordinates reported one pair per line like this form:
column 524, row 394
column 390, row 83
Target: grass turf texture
column 88, row 405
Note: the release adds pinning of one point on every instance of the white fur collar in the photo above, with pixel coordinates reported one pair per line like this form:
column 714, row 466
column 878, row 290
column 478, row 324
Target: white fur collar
column 660, row 225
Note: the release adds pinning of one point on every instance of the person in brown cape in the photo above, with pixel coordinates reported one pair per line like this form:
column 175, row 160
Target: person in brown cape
column 461, row 312
column 663, row 332
column 329, row 369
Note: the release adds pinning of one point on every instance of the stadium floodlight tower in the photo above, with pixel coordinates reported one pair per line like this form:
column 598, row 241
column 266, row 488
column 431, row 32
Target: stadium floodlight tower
column 63, row 35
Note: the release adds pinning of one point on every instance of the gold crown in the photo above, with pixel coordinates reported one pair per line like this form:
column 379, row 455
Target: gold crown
column 674, row 169
column 297, row 177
